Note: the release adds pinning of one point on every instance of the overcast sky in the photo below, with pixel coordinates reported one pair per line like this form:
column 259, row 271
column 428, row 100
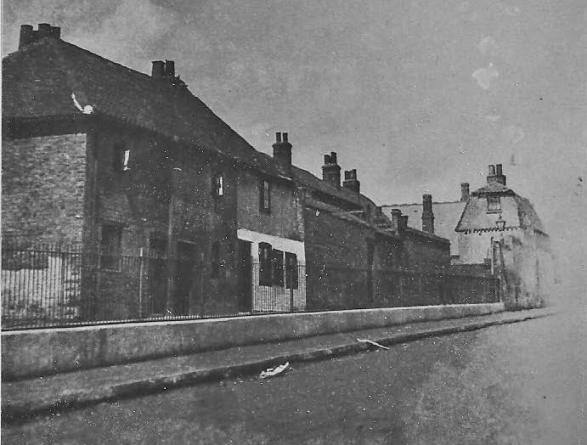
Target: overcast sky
column 417, row 95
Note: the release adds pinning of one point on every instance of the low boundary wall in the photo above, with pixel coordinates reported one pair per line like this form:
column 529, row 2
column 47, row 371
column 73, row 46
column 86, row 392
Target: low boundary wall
column 41, row 352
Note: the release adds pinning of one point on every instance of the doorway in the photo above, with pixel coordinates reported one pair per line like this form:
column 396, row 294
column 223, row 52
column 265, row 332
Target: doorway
column 184, row 277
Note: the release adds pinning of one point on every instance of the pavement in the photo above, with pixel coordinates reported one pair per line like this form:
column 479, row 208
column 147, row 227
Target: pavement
column 25, row 398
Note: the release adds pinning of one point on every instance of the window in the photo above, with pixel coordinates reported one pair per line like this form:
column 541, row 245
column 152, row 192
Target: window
column 111, row 247
column 215, row 263
column 493, row 204
column 218, row 186
column 121, row 159
column 265, row 264
column 277, row 267
column 291, row 271
column 265, row 196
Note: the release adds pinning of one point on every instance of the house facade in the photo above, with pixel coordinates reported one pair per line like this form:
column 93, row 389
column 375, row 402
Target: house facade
column 131, row 165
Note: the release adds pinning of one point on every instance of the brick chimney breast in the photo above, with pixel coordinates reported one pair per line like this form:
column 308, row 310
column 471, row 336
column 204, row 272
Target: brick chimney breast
column 282, row 152
column 331, row 169
column 427, row 214
column 28, row 35
column 350, row 181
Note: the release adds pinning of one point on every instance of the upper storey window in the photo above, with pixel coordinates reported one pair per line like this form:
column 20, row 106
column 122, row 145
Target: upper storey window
column 121, row 159
column 493, row 204
column 265, row 196
column 218, row 186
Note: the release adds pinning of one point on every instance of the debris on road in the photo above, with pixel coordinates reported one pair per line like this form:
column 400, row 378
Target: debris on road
column 371, row 342
column 272, row 372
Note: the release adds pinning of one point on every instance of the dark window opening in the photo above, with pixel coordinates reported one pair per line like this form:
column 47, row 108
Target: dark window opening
column 265, row 264
column 121, row 159
column 218, row 186
column 291, row 268
column 216, row 264
column 493, row 204
column 277, row 267
column 265, row 196
column 111, row 247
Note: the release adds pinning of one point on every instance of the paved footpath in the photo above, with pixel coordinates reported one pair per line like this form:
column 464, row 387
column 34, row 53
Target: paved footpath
column 25, row 398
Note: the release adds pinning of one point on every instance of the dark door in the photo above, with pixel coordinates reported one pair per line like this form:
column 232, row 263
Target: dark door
column 157, row 275
column 184, row 277
column 245, row 277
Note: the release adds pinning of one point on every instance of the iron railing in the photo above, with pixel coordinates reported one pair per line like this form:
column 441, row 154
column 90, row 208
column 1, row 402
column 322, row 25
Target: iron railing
column 55, row 286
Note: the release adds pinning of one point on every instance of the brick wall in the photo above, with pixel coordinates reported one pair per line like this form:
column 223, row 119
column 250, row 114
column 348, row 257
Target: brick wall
column 337, row 260
column 285, row 217
column 167, row 184
column 43, row 184
column 423, row 251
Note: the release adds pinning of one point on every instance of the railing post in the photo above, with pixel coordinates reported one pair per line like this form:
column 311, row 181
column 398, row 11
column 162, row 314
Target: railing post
column 291, row 289
column 141, row 272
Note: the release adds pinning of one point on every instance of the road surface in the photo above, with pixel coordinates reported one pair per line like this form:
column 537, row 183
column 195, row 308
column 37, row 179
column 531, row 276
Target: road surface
column 522, row 383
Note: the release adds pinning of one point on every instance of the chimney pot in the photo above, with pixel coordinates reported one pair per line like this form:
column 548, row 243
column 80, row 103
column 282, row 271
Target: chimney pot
column 496, row 174
column 278, row 137
column 170, row 68
column 56, row 32
column 27, row 36
column 284, row 137
column 44, row 30
column 158, row 71
column 464, row 191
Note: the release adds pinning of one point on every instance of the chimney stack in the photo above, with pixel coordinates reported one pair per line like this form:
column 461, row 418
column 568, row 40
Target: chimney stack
column 350, row 181
column 427, row 214
column 464, row 191
column 28, row 35
column 170, row 69
column 331, row 170
column 496, row 175
column 282, row 152
column 396, row 219
column 404, row 222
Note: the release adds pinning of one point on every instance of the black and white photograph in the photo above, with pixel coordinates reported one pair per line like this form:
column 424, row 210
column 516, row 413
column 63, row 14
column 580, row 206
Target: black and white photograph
column 294, row 222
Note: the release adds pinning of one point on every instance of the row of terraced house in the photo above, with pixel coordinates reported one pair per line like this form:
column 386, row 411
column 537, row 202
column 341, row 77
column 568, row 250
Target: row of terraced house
column 136, row 188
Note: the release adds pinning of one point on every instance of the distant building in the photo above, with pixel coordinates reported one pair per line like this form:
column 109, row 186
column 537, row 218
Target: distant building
column 496, row 228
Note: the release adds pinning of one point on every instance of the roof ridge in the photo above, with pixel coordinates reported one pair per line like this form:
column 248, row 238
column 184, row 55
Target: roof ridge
column 419, row 203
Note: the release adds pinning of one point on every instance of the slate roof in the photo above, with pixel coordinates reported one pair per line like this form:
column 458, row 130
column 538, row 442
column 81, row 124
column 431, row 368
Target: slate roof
column 308, row 180
column 346, row 216
column 493, row 188
column 516, row 211
column 39, row 79
column 446, row 218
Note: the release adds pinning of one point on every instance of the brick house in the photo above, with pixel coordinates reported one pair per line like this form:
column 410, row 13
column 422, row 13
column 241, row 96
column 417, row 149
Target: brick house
column 495, row 229
column 351, row 245
column 133, row 165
